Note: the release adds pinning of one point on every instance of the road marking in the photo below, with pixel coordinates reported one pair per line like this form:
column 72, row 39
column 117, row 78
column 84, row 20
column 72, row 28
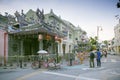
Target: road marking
column 79, row 78
column 85, row 68
column 105, row 60
column 93, row 68
column 30, row 75
column 71, row 76
column 113, row 60
column 115, row 73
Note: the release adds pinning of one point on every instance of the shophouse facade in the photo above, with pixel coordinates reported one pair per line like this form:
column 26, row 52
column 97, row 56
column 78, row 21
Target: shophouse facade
column 117, row 38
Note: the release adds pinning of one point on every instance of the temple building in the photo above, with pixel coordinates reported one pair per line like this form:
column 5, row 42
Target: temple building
column 34, row 31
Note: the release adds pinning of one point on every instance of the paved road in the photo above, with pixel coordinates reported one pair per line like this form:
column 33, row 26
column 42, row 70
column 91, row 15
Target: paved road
column 110, row 70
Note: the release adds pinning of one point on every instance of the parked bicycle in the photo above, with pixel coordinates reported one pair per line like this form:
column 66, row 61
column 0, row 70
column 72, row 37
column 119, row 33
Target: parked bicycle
column 35, row 64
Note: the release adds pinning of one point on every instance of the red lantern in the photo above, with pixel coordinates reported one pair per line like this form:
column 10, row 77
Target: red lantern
column 56, row 37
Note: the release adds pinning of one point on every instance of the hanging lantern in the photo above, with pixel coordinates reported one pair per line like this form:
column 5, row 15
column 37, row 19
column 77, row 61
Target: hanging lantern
column 48, row 37
column 56, row 37
column 40, row 37
column 59, row 40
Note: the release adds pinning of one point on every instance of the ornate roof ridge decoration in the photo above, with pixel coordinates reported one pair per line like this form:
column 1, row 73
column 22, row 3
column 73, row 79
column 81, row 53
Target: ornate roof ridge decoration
column 38, row 23
column 54, row 15
column 39, row 27
column 21, row 18
column 40, row 15
column 6, row 21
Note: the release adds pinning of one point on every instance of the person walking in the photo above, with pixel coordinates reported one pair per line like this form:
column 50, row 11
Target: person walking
column 105, row 54
column 98, row 58
column 92, row 56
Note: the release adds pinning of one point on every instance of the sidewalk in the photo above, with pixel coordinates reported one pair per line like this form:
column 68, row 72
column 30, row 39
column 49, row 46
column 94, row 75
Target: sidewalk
column 5, row 70
column 64, row 64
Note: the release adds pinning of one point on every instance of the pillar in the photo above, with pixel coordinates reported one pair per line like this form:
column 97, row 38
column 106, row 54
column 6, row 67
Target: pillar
column 5, row 35
column 21, row 47
column 40, row 44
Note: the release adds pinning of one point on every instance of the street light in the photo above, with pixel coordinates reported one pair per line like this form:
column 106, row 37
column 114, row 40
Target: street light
column 99, row 28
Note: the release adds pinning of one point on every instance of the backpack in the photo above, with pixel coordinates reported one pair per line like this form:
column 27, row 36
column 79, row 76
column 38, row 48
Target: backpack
column 92, row 55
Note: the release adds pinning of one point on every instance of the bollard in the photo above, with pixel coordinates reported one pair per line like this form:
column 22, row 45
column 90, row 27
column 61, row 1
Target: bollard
column 39, row 64
column 71, row 62
column 20, row 63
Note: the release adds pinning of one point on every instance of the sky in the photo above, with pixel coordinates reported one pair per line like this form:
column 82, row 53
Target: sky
column 87, row 14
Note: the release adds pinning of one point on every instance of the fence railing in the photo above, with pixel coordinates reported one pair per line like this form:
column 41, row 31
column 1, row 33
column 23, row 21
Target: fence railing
column 18, row 60
column 26, row 61
column 23, row 61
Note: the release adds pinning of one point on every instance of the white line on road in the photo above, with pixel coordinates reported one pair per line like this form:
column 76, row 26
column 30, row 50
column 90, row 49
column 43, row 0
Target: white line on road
column 105, row 60
column 115, row 73
column 71, row 76
column 113, row 60
column 29, row 75
column 79, row 78
column 96, row 68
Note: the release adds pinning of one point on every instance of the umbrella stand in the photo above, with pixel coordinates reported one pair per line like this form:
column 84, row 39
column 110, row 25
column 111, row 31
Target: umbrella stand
column 39, row 63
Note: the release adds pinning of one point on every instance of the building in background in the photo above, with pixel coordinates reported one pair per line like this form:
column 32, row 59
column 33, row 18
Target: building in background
column 117, row 38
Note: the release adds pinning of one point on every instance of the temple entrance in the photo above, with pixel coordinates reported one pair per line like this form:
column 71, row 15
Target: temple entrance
column 30, row 46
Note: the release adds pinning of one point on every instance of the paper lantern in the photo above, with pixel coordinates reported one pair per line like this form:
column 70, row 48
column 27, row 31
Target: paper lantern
column 40, row 37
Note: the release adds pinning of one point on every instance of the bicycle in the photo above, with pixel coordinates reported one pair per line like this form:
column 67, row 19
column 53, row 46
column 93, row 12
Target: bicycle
column 35, row 65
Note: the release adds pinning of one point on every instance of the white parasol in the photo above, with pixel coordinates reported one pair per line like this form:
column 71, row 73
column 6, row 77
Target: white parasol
column 43, row 52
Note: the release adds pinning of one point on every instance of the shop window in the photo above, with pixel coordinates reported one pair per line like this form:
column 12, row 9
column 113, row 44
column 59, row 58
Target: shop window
column 70, row 36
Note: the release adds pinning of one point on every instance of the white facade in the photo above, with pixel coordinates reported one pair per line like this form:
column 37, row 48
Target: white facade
column 117, row 38
column 72, row 32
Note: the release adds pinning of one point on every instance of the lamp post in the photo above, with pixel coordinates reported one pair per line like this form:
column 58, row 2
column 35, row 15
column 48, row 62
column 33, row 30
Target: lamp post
column 99, row 28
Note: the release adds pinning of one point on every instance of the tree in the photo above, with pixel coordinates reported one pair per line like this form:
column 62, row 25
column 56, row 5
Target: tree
column 118, row 4
column 93, row 42
column 106, row 43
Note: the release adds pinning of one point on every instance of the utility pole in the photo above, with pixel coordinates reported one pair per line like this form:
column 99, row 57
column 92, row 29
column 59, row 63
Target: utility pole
column 99, row 28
